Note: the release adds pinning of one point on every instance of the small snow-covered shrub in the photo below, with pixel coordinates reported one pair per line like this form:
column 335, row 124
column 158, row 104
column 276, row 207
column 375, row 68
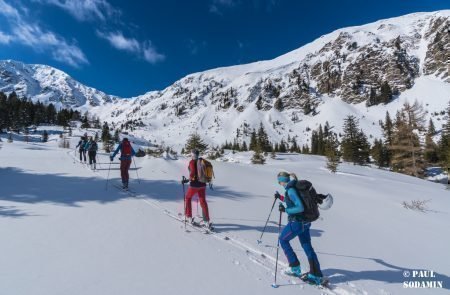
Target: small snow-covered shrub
column 417, row 205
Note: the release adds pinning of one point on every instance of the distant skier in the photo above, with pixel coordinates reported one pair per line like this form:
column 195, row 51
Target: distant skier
column 299, row 216
column 91, row 147
column 197, row 179
column 81, row 144
column 126, row 154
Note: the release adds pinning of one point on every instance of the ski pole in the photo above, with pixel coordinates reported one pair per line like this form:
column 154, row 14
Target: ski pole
column 197, row 207
column 267, row 221
column 274, row 285
column 184, row 200
column 139, row 181
column 107, row 178
column 96, row 160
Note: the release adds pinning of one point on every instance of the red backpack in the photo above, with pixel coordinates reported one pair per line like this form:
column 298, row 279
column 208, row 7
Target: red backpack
column 126, row 148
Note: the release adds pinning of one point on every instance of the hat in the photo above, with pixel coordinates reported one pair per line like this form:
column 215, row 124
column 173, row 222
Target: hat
column 283, row 177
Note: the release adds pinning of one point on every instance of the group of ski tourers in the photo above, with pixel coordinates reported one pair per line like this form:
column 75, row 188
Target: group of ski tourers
column 300, row 202
column 89, row 146
column 126, row 154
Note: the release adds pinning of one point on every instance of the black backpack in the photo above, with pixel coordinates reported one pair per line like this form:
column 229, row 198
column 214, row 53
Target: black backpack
column 93, row 147
column 310, row 200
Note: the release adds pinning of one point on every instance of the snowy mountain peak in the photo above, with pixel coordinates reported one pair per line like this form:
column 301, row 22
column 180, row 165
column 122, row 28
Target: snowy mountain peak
column 47, row 84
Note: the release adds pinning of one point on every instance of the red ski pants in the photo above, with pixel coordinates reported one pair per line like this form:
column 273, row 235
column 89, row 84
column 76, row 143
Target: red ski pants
column 124, row 167
column 201, row 191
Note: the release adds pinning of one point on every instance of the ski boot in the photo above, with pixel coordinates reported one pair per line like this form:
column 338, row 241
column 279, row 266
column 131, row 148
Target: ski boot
column 314, row 280
column 294, row 271
column 207, row 225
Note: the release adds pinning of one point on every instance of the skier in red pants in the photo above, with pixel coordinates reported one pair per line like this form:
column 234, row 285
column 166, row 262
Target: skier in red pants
column 197, row 186
column 126, row 152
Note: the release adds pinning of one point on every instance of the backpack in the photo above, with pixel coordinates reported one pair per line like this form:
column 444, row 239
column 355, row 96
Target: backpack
column 310, row 200
column 126, row 148
column 93, row 147
column 206, row 171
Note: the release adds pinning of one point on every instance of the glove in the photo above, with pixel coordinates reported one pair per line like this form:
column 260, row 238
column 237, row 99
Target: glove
column 277, row 196
column 184, row 180
column 111, row 158
column 282, row 208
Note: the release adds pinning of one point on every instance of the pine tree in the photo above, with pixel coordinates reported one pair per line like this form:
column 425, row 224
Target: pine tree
column 195, row 142
column 282, row 147
column 378, row 152
column 332, row 152
column 431, row 153
column 314, row 143
column 444, row 143
column 305, row 149
column 276, row 148
column 85, row 122
column 294, row 146
column 386, row 93
column 355, row 146
column 320, row 141
column 406, row 148
column 244, row 146
column 116, row 136
column 263, row 139
column 106, row 136
column 258, row 157
column 253, row 141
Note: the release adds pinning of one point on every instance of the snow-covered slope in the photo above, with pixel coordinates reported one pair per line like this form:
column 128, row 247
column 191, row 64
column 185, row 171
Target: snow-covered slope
column 327, row 79
column 63, row 233
column 49, row 85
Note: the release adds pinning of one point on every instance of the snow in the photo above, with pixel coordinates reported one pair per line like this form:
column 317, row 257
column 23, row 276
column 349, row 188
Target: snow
column 63, row 233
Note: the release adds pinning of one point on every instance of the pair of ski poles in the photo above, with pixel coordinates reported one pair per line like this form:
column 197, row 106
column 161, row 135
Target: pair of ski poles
column 274, row 285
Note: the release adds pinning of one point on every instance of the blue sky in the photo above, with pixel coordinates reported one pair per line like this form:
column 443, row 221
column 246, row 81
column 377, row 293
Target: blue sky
column 127, row 48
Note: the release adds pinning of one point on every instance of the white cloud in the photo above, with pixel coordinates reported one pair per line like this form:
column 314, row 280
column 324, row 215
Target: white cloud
column 8, row 11
column 150, row 53
column 25, row 32
column 119, row 41
column 144, row 50
column 4, row 38
column 84, row 10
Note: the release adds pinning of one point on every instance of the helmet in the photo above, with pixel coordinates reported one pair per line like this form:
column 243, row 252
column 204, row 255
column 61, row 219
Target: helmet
column 327, row 203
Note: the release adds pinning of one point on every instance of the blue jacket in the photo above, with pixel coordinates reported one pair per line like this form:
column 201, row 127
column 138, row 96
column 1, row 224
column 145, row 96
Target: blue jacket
column 294, row 206
column 123, row 157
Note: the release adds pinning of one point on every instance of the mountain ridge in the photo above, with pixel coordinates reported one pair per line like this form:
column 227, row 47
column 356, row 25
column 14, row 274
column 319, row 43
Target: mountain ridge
column 292, row 93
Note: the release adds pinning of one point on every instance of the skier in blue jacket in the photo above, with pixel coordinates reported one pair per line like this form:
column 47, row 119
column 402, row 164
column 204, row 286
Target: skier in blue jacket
column 296, row 227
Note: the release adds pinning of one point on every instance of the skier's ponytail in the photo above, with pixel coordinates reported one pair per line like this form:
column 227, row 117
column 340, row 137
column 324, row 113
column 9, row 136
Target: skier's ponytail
column 293, row 176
